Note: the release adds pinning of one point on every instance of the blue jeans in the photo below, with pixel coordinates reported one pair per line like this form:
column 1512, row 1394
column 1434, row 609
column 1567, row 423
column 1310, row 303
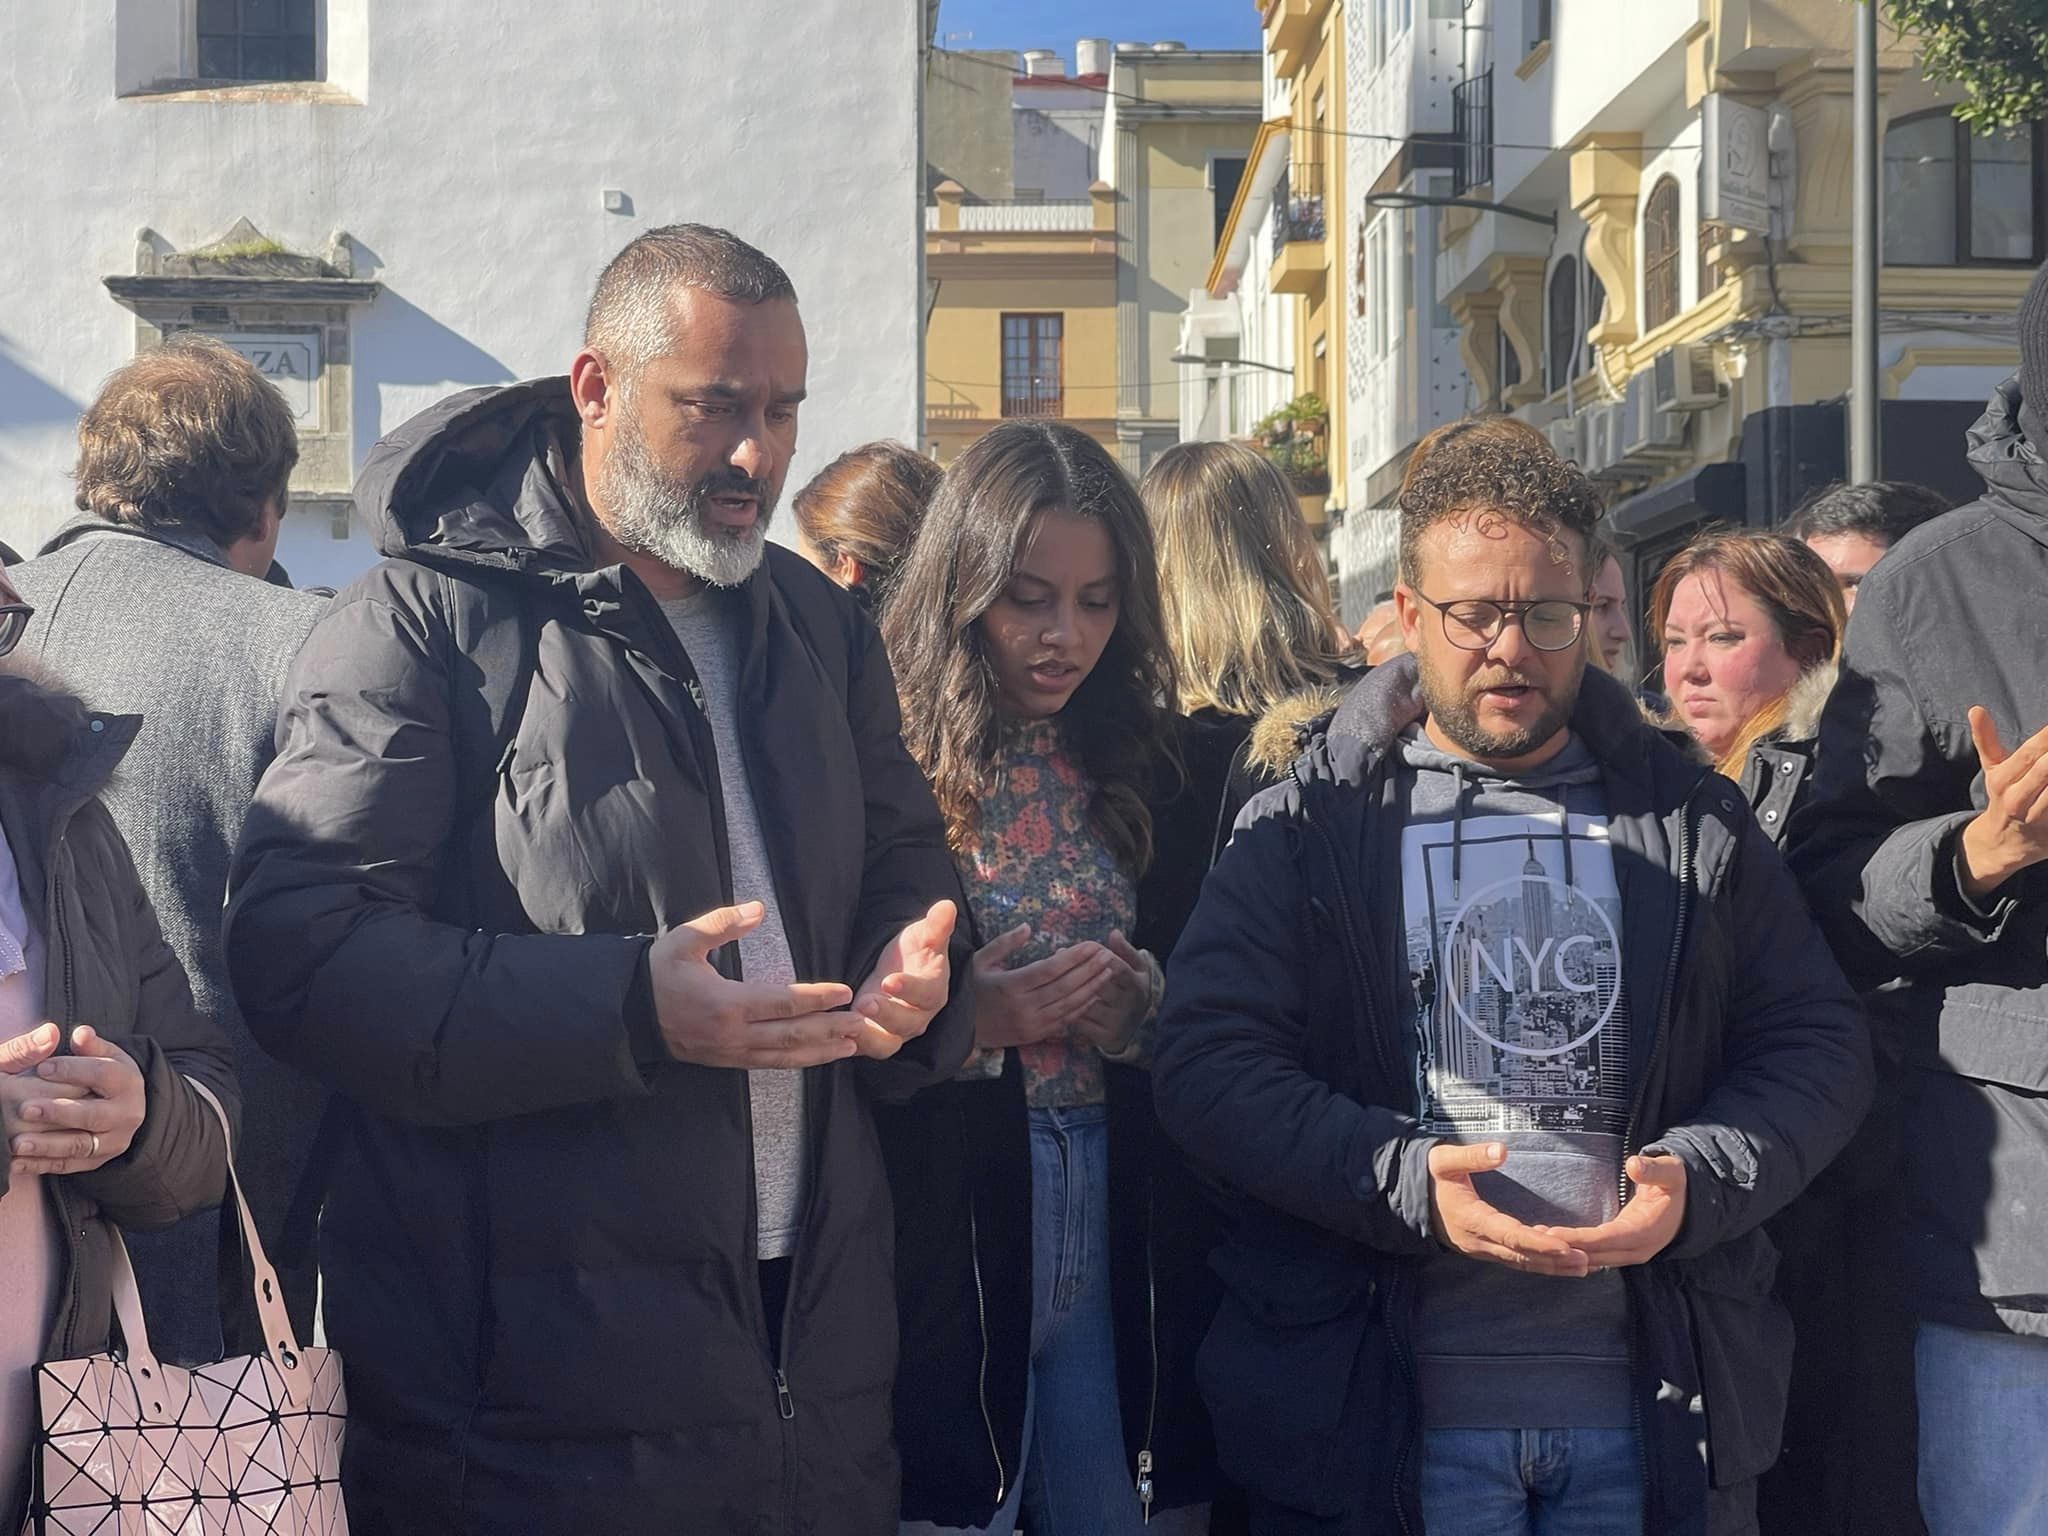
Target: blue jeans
column 1073, row 1481
column 1532, row 1482
column 1983, row 1426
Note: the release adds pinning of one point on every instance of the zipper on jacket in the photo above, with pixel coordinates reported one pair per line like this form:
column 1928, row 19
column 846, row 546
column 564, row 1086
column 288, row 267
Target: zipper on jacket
column 988, row 1422
column 1686, row 853
column 1360, row 980
column 1146, row 1464
column 1414, row 1386
column 61, row 925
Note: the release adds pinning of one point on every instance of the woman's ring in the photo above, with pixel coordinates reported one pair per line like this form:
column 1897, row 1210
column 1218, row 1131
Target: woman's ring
column 95, row 1148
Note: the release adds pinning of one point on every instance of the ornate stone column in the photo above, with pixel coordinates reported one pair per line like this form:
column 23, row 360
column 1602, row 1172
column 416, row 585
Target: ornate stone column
column 1606, row 178
column 1519, row 282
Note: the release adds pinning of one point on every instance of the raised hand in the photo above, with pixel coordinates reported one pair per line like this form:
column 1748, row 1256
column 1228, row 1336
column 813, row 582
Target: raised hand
column 1465, row 1222
column 2011, row 832
column 908, row 985
column 87, row 1109
column 1038, row 1001
column 715, row 1022
column 1646, row 1226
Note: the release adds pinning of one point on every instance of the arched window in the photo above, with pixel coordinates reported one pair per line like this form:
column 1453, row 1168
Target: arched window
column 1957, row 198
column 1561, row 327
column 1596, row 311
column 1661, row 252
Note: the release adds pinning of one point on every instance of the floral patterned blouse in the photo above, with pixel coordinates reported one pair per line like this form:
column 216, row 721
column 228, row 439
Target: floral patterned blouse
column 1038, row 859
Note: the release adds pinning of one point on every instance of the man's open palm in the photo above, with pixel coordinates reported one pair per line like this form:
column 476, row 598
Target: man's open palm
column 908, row 985
column 1646, row 1226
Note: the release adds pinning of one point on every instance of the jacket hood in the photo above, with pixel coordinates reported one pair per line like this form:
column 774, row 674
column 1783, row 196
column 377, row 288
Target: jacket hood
column 482, row 478
column 1388, row 700
column 1809, row 696
column 2014, row 473
column 47, row 733
column 1282, row 731
column 88, row 524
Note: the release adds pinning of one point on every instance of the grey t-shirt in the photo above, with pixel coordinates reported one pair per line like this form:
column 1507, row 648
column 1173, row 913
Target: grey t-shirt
column 1520, row 1033
column 708, row 626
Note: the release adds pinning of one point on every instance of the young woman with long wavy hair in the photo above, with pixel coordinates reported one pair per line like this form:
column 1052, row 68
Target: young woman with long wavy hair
column 1027, row 636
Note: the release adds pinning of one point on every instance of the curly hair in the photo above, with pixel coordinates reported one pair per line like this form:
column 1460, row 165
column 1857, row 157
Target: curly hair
column 190, row 436
column 1498, row 465
column 963, row 559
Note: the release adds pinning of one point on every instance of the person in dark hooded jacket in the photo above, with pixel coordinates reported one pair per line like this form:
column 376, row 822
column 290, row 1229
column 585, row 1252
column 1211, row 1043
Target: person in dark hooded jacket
column 607, row 1241
column 1924, row 849
column 100, row 1043
column 1511, row 1029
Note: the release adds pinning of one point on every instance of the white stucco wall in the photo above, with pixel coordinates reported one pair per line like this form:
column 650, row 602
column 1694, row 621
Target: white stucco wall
column 470, row 174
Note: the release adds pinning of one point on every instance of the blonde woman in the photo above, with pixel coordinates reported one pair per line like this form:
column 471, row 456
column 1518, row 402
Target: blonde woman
column 1256, row 646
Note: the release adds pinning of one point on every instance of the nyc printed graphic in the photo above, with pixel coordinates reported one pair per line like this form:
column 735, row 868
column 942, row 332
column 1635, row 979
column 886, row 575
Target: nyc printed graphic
column 1516, row 971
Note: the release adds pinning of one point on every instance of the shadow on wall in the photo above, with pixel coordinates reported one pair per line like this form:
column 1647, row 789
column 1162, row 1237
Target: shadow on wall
column 404, row 361
column 27, row 399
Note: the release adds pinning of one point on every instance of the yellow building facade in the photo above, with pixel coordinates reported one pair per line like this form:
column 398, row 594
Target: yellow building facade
column 1023, row 318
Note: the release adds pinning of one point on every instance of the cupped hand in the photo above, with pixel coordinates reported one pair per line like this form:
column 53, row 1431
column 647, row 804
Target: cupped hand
column 908, row 985
column 1468, row 1224
column 1646, row 1226
column 712, row 1021
column 1038, row 1001
column 1112, row 1021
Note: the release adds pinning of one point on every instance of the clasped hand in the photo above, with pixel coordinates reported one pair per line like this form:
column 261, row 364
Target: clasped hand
column 713, row 1021
column 1645, row 1227
column 1099, row 991
column 67, row 1114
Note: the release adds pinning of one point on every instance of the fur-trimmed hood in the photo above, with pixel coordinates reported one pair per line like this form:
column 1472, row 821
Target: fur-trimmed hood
column 1284, row 730
column 1809, row 696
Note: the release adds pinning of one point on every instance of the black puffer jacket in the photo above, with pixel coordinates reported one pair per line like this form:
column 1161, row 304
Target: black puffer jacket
column 1952, row 617
column 539, row 1242
column 1282, row 1068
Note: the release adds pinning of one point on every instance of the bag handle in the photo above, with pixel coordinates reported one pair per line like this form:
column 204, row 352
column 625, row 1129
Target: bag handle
column 280, row 1343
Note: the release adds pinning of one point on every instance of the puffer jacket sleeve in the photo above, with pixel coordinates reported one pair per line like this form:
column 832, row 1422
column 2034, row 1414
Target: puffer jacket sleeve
column 1796, row 1076
column 1230, row 1080
column 1875, row 845
column 908, row 868
column 336, row 960
column 177, row 1163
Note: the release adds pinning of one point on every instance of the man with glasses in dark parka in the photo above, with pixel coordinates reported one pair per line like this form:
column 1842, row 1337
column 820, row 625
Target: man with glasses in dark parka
column 1510, row 1028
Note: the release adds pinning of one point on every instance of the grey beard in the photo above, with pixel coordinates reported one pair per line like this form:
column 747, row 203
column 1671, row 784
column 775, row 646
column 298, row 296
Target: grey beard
column 651, row 515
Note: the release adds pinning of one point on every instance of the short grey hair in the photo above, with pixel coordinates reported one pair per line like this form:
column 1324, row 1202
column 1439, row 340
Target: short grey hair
column 632, row 314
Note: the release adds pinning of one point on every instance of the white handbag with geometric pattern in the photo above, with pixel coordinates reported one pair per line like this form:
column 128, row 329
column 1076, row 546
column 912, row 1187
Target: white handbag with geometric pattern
column 132, row 1447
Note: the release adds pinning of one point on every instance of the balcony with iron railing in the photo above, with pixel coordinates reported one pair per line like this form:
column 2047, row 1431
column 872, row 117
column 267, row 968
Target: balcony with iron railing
column 1033, row 394
column 1301, row 256
column 1472, row 116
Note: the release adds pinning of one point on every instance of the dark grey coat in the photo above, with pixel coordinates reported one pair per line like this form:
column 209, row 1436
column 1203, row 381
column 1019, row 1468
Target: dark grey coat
column 1955, row 615
column 155, row 624
column 108, row 966
column 1283, row 1070
column 539, row 1244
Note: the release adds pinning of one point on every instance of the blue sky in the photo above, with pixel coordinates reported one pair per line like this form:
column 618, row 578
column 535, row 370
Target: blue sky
column 1022, row 24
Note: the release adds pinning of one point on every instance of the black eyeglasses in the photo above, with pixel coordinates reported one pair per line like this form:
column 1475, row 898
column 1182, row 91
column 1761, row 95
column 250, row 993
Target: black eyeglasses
column 14, row 619
column 1474, row 623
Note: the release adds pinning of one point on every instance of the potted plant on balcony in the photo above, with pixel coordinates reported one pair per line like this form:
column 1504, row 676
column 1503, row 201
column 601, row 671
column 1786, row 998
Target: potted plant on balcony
column 1310, row 414
column 1303, row 463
